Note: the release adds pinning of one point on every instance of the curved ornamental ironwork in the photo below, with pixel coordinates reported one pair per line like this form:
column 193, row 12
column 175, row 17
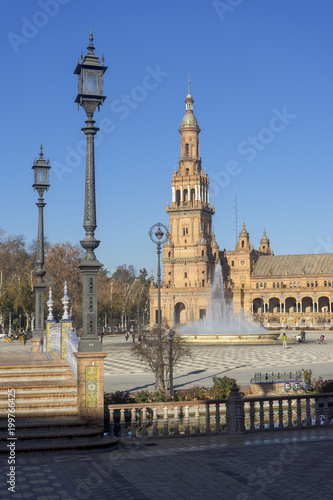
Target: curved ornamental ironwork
column 262, row 378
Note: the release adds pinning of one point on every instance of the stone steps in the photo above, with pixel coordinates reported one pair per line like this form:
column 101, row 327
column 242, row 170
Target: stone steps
column 54, row 435
column 42, row 383
column 44, row 391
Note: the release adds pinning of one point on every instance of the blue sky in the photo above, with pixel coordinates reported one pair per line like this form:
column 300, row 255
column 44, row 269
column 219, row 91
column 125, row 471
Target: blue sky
column 261, row 78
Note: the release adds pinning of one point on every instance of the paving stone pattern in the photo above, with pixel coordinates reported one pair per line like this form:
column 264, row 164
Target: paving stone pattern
column 288, row 465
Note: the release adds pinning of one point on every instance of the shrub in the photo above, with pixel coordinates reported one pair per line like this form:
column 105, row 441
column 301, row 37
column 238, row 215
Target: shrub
column 118, row 397
column 221, row 387
column 320, row 385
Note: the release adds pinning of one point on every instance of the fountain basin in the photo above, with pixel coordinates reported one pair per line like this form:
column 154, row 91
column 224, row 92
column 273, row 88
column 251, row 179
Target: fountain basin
column 232, row 338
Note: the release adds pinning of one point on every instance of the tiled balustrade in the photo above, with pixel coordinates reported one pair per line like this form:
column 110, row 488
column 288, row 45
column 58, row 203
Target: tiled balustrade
column 231, row 416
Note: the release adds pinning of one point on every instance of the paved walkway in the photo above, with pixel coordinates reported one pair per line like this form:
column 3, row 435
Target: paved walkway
column 123, row 371
column 273, row 465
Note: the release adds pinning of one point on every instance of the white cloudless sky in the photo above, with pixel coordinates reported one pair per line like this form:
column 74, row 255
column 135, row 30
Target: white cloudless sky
column 261, row 78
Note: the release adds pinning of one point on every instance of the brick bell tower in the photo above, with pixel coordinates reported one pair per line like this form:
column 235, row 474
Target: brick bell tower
column 191, row 251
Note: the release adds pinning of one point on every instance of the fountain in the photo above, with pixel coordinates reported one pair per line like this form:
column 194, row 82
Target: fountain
column 222, row 325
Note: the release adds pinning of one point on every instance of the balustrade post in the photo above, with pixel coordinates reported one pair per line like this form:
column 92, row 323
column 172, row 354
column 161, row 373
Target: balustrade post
column 235, row 411
column 308, row 412
column 165, row 421
column 317, row 411
column 326, row 413
column 261, row 415
column 176, row 420
column 155, row 422
column 252, row 415
column 207, row 418
column 133, row 422
column 144, row 422
column 299, row 413
column 187, row 420
column 111, row 413
column 271, row 415
column 122, row 423
column 290, row 414
column 280, row 414
column 217, row 418
column 197, row 419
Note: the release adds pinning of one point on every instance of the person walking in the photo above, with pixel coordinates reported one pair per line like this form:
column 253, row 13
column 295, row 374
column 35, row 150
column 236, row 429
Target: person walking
column 284, row 339
column 24, row 337
column 102, row 334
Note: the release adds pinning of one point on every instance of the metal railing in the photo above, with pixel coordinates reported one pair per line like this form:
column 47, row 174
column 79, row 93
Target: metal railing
column 225, row 416
column 262, row 378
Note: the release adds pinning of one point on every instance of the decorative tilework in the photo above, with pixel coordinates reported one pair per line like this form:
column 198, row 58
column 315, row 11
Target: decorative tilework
column 91, row 386
column 66, row 326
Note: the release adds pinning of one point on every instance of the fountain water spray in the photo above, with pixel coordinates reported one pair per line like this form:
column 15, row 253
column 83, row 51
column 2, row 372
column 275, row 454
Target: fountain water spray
column 222, row 320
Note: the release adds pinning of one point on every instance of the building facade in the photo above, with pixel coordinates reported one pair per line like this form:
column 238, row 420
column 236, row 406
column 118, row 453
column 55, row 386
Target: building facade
column 291, row 290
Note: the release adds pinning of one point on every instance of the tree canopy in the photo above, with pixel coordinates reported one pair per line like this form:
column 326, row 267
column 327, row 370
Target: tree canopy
column 124, row 293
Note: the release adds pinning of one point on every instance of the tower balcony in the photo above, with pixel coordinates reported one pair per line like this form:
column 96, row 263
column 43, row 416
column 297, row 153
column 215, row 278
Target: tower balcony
column 191, row 205
column 190, row 158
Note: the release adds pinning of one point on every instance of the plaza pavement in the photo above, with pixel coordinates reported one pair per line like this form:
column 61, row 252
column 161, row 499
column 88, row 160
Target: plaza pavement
column 271, row 465
column 123, row 371
column 274, row 465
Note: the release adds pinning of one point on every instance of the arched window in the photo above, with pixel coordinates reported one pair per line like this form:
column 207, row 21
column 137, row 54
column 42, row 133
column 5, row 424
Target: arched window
column 187, row 149
column 243, row 243
column 202, row 253
column 192, row 195
column 169, row 254
column 178, row 197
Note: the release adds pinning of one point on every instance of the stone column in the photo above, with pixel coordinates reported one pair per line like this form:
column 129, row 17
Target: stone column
column 235, row 411
column 90, row 386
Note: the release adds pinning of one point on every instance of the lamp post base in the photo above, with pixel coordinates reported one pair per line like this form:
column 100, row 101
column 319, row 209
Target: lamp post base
column 92, row 344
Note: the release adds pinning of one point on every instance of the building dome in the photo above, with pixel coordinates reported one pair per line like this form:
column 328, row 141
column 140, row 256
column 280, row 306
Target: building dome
column 189, row 120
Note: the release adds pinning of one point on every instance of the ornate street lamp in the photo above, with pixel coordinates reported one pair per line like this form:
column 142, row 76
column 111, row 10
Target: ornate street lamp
column 90, row 96
column 158, row 234
column 41, row 184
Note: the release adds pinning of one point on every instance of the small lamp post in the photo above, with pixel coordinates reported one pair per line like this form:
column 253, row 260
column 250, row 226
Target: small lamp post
column 90, row 96
column 171, row 335
column 41, row 184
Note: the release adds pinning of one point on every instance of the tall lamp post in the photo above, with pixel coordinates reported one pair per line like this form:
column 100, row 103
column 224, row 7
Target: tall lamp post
column 158, row 234
column 41, row 184
column 90, row 96
column 171, row 335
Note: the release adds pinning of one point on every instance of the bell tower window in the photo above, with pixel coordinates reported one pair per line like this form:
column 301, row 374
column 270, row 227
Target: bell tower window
column 187, row 149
